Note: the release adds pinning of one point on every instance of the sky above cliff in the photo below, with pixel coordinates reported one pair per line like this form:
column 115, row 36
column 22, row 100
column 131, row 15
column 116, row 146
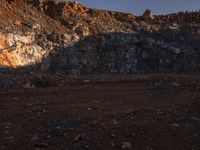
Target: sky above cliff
column 137, row 7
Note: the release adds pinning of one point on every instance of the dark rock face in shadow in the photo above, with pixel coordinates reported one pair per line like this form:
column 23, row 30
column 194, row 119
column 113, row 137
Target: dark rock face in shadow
column 123, row 53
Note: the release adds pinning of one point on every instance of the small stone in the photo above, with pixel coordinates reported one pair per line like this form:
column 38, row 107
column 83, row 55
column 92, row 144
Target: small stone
column 148, row 148
column 7, row 127
column 36, row 26
column 7, row 131
column 94, row 121
column 115, row 122
column 14, row 98
column 176, row 84
column 42, row 145
column 34, row 138
column 44, row 111
column 58, row 127
column 175, row 125
column 177, row 50
column 18, row 22
column 90, row 109
column 112, row 144
column 44, row 103
column 29, row 104
column 126, row 145
column 79, row 137
column 86, row 81
column 28, row 85
column 71, row 129
column 141, row 131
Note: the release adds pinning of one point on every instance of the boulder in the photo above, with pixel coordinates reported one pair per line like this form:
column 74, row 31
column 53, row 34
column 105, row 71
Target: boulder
column 148, row 15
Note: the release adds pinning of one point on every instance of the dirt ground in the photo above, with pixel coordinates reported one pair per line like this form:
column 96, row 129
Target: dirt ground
column 155, row 112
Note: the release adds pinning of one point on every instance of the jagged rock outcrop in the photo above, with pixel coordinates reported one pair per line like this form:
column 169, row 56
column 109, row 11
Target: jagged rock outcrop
column 148, row 15
column 20, row 50
column 69, row 38
column 179, row 18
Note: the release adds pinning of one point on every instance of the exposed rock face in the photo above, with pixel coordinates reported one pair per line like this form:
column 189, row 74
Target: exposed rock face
column 148, row 15
column 69, row 38
column 179, row 18
column 20, row 50
column 3, row 42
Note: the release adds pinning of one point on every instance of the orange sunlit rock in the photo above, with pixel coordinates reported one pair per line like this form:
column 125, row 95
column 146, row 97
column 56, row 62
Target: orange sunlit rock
column 3, row 42
column 7, row 60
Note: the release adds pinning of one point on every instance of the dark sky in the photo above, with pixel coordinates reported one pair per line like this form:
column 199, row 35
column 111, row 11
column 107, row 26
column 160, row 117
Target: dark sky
column 137, row 7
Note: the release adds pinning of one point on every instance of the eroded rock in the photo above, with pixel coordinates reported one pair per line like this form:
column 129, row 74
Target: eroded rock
column 148, row 15
column 20, row 50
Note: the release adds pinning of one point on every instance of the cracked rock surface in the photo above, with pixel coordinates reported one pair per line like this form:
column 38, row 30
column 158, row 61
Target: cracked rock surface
column 68, row 38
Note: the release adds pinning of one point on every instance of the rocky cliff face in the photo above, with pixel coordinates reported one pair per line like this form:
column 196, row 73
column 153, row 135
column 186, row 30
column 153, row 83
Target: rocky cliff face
column 68, row 38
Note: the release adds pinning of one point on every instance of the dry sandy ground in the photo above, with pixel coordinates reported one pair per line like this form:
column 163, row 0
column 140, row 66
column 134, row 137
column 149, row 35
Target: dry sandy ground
column 150, row 113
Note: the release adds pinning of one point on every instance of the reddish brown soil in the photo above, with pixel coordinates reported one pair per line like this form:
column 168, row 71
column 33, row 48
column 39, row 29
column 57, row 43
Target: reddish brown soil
column 152, row 113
